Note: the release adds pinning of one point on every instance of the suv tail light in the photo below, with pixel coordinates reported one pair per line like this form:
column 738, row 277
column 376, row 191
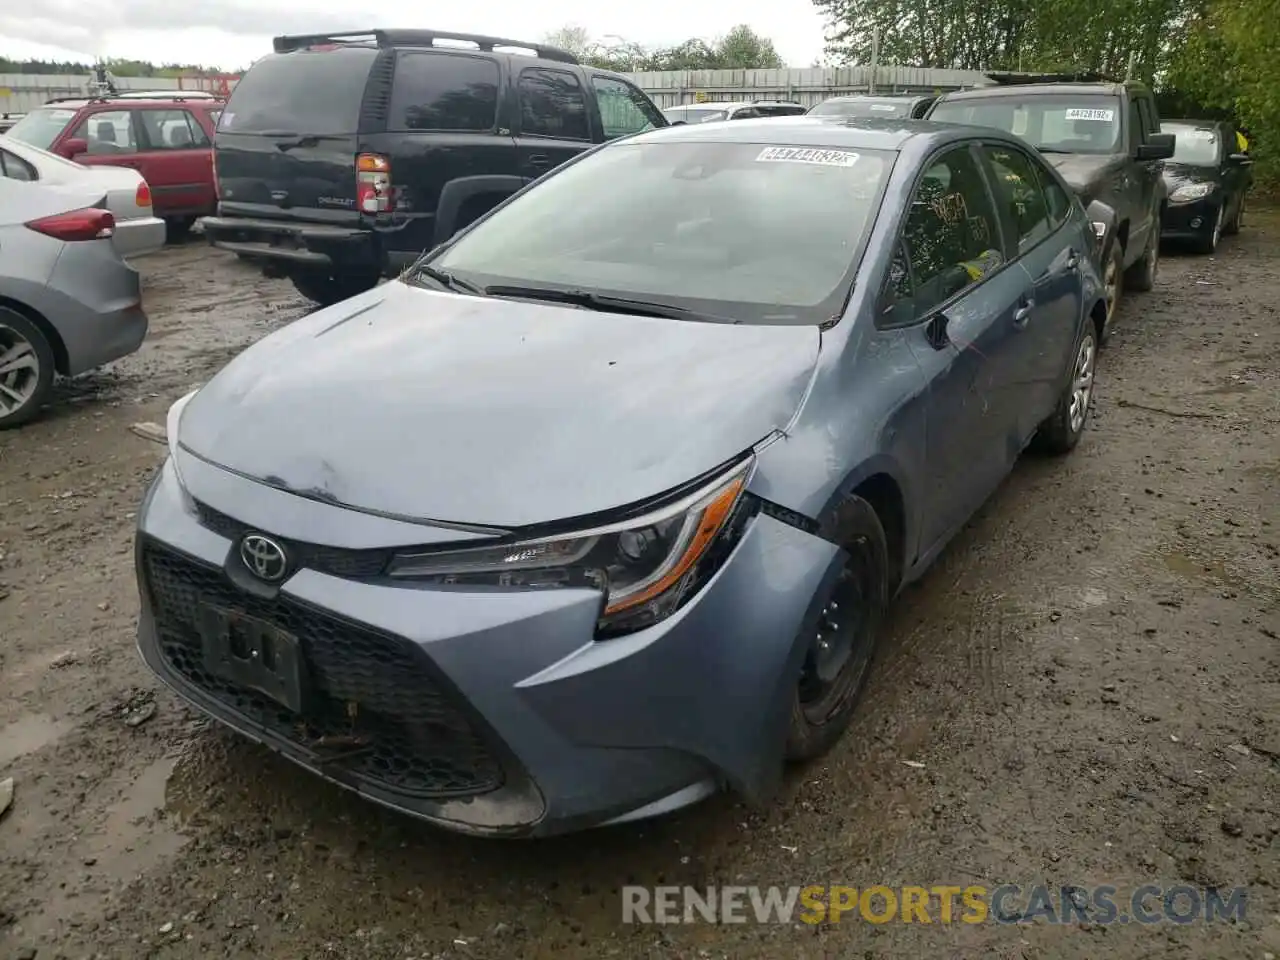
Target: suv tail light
column 142, row 197
column 373, row 183
column 91, row 223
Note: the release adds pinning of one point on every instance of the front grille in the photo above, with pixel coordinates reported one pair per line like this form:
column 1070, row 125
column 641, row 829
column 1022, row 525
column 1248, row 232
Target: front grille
column 406, row 734
column 336, row 561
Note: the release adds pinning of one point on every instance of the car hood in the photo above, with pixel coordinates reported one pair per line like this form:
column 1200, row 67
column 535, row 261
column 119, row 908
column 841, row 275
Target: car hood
column 434, row 406
column 1085, row 173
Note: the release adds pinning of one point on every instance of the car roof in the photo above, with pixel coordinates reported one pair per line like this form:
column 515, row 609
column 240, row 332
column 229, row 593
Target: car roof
column 1032, row 89
column 854, row 133
column 128, row 102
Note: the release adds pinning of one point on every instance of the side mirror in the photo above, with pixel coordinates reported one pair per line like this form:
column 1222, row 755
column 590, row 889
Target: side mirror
column 1241, row 158
column 73, row 148
column 1159, row 146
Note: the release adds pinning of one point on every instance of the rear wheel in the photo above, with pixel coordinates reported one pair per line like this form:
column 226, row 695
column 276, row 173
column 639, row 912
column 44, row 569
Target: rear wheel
column 840, row 649
column 26, row 369
column 177, row 229
column 327, row 290
column 1237, row 220
column 1061, row 432
column 1142, row 275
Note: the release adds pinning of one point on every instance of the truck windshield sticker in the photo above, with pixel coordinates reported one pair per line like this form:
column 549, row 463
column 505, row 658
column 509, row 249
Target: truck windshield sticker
column 825, row 158
column 889, row 107
column 1076, row 113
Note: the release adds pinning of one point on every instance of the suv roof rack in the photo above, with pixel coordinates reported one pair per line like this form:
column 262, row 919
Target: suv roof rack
column 1005, row 79
column 178, row 96
column 416, row 38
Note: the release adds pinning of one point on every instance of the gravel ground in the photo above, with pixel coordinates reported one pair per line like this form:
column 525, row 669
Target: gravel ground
column 1087, row 687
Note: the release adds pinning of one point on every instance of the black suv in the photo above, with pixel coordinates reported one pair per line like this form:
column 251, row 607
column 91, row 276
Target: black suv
column 340, row 158
column 1104, row 137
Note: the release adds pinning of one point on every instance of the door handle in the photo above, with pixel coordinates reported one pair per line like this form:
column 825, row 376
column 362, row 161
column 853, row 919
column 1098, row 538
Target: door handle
column 1022, row 315
column 539, row 160
column 1073, row 260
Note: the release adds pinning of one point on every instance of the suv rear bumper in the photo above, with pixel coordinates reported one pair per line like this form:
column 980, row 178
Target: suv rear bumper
column 286, row 244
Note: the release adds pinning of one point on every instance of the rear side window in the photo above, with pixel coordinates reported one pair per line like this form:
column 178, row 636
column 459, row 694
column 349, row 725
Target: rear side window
column 15, row 168
column 108, row 132
column 172, row 130
column 307, row 92
column 552, row 104
column 440, row 91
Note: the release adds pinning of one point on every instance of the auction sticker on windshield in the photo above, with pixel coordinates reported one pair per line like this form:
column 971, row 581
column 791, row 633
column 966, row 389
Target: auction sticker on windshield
column 1077, row 113
column 825, row 158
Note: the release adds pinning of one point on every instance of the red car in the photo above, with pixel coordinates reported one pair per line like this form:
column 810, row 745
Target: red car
column 167, row 137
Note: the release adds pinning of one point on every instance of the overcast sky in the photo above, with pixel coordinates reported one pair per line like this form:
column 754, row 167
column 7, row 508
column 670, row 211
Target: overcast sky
column 233, row 33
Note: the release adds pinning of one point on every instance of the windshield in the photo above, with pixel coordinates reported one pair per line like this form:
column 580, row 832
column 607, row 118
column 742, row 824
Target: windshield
column 1194, row 146
column 1064, row 123
column 315, row 92
column 861, row 108
column 41, row 127
column 763, row 234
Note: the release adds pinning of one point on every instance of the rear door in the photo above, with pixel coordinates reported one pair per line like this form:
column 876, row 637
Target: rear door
column 173, row 157
column 287, row 139
column 553, row 122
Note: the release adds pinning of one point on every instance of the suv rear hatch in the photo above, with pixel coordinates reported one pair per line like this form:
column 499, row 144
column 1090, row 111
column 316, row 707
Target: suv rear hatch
column 287, row 140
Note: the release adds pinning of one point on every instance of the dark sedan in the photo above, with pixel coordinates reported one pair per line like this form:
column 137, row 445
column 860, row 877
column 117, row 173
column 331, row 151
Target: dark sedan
column 1207, row 179
column 620, row 482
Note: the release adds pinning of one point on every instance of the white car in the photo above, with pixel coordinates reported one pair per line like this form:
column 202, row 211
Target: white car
column 137, row 231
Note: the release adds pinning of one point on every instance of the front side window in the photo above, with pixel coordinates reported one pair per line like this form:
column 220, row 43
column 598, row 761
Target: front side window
column 952, row 230
column 552, row 104
column 623, row 109
column 764, row 234
column 172, row 130
column 108, row 132
column 41, row 127
column 1194, row 146
column 1054, row 123
column 438, row 91
column 1017, row 189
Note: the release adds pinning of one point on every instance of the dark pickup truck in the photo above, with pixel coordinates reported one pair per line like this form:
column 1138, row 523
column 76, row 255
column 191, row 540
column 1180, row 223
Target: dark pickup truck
column 1104, row 138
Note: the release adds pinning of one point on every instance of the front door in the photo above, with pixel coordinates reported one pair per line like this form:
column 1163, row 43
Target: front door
column 554, row 121
column 964, row 296
column 1143, row 123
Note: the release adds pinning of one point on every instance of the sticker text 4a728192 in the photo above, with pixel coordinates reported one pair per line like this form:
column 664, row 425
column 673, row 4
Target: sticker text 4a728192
column 824, row 158
column 1077, row 113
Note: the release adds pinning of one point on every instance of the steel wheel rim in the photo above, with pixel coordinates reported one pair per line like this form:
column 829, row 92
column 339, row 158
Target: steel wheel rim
column 19, row 370
column 840, row 651
column 1153, row 256
column 1082, row 385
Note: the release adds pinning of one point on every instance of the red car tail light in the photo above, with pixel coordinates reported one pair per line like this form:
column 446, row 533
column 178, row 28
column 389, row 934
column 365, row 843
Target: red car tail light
column 91, row 223
column 143, row 195
column 373, row 183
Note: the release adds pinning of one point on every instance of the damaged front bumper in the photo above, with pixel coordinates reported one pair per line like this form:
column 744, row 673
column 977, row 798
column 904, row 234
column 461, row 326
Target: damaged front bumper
column 486, row 712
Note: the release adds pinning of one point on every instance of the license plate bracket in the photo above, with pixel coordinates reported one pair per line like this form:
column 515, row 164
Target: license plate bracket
column 253, row 653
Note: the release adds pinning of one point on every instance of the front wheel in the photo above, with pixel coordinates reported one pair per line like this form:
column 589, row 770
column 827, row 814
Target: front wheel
column 327, row 290
column 1060, row 433
column 1237, row 220
column 841, row 646
column 1208, row 242
column 26, row 369
column 1112, row 287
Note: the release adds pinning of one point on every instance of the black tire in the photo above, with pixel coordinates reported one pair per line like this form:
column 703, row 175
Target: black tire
column 327, row 290
column 1061, row 431
column 1237, row 219
column 1114, row 262
column 852, row 612
column 177, row 229
column 1141, row 277
column 1207, row 243
column 15, row 329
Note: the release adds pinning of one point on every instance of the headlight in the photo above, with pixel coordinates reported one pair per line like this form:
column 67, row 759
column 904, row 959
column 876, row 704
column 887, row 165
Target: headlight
column 645, row 567
column 1190, row 191
column 171, row 436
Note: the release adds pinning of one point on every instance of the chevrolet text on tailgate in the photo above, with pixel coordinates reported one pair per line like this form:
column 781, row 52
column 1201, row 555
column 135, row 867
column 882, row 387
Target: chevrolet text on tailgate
column 1104, row 137
column 342, row 157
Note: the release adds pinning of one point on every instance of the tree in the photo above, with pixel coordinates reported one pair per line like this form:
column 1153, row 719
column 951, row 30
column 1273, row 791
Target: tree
column 739, row 49
column 572, row 38
column 743, row 49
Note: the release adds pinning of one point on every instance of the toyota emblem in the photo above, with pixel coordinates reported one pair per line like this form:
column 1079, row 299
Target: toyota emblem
column 264, row 557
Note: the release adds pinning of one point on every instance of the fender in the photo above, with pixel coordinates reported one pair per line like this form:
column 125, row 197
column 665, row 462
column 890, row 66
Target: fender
column 1100, row 212
column 457, row 192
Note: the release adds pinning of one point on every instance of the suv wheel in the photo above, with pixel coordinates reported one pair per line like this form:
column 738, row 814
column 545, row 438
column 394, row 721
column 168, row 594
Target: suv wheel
column 838, row 658
column 26, row 369
column 1112, row 286
column 1142, row 275
column 327, row 290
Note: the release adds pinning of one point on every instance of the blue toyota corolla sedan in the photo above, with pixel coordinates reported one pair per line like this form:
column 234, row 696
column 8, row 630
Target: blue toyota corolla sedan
column 597, row 510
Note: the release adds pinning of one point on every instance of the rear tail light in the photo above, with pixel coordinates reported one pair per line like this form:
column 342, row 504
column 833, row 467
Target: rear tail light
column 142, row 197
column 91, row 223
column 373, row 183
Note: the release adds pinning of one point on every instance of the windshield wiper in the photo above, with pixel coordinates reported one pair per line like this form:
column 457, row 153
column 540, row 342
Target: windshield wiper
column 448, row 280
column 606, row 303
column 1055, row 150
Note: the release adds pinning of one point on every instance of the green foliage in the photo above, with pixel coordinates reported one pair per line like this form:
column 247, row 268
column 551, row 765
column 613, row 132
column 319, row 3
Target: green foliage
column 120, row 68
column 739, row 49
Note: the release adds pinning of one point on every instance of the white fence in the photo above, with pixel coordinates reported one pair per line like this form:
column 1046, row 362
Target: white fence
column 22, row 92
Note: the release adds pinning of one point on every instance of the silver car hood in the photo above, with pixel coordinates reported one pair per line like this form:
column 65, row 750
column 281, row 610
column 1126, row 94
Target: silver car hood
column 434, row 406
